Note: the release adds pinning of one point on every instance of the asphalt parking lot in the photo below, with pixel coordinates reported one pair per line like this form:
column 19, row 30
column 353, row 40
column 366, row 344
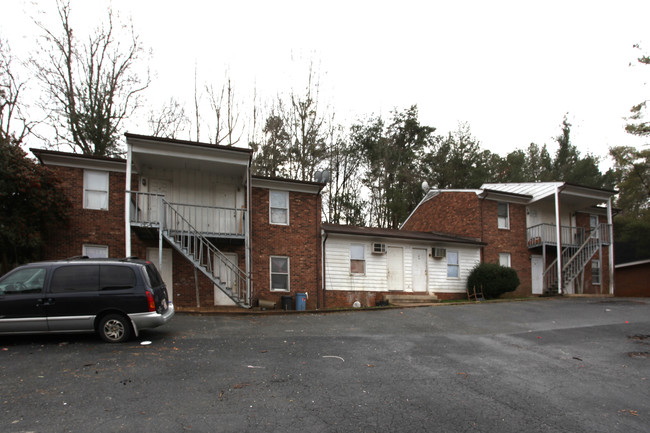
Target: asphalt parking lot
column 560, row 365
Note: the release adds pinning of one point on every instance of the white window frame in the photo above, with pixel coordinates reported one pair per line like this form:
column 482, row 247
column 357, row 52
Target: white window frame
column 503, row 222
column 595, row 276
column 95, row 251
column 288, row 273
column 505, row 260
column 102, row 191
column 354, row 255
column 273, row 206
column 451, row 265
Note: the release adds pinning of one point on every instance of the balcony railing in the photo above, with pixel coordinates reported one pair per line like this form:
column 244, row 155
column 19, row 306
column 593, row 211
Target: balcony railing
column 147, row 208
column 546, row 234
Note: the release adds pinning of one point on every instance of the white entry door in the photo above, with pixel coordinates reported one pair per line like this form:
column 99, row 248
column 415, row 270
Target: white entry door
column 537, row 272
column 157, row 186
column 395, row 259
column 228, row 277
column 166, row 271
column 419, row 270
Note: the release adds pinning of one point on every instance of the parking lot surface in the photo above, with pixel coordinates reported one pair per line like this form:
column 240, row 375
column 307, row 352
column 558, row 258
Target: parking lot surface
column 559, row 365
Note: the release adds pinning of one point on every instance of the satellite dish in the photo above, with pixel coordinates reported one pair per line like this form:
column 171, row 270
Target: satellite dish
column 325, row 176
column 425, row 186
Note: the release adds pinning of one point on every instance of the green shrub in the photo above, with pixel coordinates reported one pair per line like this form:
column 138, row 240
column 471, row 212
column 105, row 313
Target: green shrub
column 493, row 279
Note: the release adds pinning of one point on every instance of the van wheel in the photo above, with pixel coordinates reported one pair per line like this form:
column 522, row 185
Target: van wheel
column 114, row 328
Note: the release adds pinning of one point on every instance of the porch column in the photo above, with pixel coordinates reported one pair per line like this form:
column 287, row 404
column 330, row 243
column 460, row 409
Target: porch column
column 558, row 232
column 127, row 203
column 610, row 221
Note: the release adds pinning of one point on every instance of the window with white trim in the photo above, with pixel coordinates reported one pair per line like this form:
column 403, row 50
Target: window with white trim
column 357, row 259
column 279, row 207
column 95, row 251
column 453, row 267
column 504, row 259
column 595, row 272
column 503, row 215
column 280, row 274
column 593, row 224
column 95, row 189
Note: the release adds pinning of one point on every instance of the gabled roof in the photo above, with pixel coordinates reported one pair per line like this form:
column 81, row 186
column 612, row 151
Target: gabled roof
column 399, row 234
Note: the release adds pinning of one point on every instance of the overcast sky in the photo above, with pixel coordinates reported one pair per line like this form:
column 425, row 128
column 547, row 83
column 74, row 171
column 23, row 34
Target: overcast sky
column 510, row 69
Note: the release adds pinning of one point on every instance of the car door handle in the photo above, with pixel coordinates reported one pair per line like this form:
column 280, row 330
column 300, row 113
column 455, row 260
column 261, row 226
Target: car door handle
column 44, row 302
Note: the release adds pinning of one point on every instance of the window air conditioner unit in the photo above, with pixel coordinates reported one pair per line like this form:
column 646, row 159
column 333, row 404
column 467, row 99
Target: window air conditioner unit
column 438, row 253
column 378, row 248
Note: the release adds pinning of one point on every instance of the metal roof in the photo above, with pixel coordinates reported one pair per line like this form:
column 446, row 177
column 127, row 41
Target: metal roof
column 399, row 234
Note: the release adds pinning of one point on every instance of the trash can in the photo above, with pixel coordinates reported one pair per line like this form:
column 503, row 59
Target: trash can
column 286, row 302
column 301, row 301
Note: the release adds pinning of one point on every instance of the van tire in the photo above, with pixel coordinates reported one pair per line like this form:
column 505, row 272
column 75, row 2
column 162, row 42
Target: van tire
column 114, row 328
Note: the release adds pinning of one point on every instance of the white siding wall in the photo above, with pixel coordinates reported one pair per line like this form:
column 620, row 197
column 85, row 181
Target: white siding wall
column 200, row 187
column 337, row 265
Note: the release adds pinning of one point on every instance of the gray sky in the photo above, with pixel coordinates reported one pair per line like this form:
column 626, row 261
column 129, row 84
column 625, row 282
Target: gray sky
column 511, row 69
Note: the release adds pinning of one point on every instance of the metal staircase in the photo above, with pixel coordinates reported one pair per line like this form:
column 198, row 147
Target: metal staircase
column 573, row 261
column 207, row 258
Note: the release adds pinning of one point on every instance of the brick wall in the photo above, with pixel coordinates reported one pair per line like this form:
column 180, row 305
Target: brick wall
column 88, row 226
column 453, row 212
column 512, row 240
column 633, row 280
column 300, row 241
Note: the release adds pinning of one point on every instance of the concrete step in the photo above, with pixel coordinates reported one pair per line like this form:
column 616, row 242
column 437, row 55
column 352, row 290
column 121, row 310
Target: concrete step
column 408, row 299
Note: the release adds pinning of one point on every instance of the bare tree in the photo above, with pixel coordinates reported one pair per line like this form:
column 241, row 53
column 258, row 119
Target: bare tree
column 90, row 87
column 13, row 121
column 169, row 121
column 226, row 110
column 307, row 129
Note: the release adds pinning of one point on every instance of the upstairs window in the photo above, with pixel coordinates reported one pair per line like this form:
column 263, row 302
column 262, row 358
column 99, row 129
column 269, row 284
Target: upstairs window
column 279, row 207
column 503, row 215
column 95, row 190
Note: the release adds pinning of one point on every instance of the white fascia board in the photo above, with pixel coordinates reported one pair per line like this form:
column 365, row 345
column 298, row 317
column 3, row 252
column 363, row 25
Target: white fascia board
column 84, row 163
column 183, row 151
column 287, row 185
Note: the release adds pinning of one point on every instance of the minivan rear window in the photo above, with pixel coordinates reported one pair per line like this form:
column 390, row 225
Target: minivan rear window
column 77, row 278
column 116, row 277
column 154, row 276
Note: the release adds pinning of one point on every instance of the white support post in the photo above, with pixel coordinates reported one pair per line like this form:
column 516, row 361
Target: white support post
column 610, row 221
column 127, row 202
column 558, row 232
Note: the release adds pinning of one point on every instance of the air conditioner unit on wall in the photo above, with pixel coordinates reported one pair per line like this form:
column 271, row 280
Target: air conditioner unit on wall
column 378, row 248
column 438, row 253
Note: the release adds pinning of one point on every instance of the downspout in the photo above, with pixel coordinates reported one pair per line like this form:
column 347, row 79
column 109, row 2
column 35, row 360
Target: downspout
column 610, row 221
column 319, row 275
column 324, row 236
column 127, row 202
column 247, row 235
column 481, row 204
column 558, row 231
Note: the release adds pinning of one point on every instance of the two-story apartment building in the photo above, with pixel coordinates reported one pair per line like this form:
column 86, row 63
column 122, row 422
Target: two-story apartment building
column 220, row 236
column 528, row 226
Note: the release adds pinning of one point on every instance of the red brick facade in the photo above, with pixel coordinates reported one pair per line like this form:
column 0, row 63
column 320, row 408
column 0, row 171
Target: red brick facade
column 455, row 212
column 299, row 241
column 88, row 226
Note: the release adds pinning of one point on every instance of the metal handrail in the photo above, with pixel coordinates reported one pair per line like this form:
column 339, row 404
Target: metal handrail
column 211, row 220
column 207, row 258
column 541, row 234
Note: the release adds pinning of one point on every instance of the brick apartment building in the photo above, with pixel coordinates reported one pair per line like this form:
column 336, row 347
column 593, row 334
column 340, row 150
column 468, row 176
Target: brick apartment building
column 221, row 237
column 520, row 224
